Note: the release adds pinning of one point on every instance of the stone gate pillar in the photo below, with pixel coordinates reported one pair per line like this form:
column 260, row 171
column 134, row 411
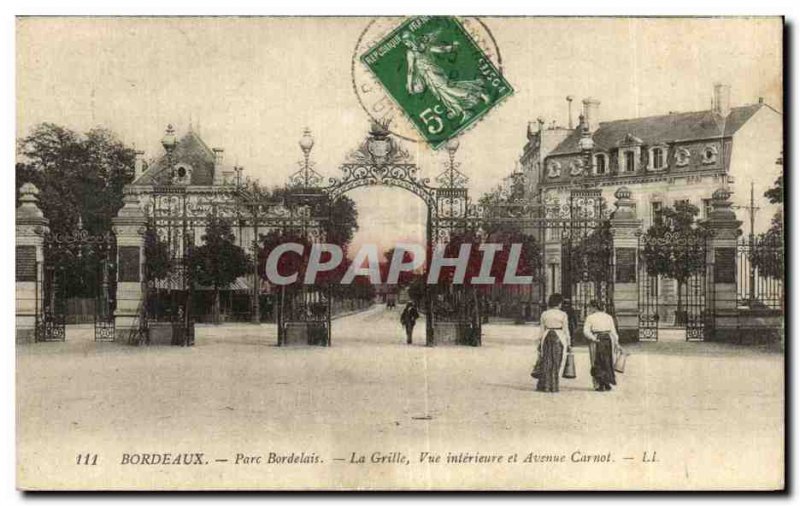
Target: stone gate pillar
column 721, row 320
column 31, row 225
column 129, row 227
column 626, row 228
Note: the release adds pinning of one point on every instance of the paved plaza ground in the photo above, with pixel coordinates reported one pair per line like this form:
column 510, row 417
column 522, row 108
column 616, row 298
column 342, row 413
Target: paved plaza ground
column 711, row 413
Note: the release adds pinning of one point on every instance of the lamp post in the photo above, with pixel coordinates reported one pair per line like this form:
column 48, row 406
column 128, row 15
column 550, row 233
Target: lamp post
column 306, row 143
column 169, row 141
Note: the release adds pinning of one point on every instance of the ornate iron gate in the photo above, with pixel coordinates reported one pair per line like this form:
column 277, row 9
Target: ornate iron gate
column 86, row 250
column 674, row 284
column 304, row 313
column 586, row 246
column 169, row 300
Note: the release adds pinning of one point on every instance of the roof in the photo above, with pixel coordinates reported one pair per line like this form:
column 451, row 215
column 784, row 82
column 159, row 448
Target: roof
column 190, row 150
column 662, row 129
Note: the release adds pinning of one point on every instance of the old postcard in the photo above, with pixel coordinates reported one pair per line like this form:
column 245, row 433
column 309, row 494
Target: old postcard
column 400, row 253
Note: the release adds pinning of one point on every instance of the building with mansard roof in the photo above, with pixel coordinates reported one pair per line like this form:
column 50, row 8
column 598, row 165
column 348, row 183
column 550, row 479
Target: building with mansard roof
column 663, row 159
column 176, row 191
column 192, row 164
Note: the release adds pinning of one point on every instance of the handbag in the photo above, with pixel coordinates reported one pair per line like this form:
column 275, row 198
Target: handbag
column 619, row 360
column 569, row 366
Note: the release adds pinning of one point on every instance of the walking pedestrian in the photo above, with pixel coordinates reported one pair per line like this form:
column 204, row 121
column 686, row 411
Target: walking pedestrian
column 554, row 344
column 601, row 332
column 408, row 318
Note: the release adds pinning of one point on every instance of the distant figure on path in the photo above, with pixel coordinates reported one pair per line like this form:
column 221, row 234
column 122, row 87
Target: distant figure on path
column 408, row 318
column 601, row 332
column 572, row 316
column 553, row 345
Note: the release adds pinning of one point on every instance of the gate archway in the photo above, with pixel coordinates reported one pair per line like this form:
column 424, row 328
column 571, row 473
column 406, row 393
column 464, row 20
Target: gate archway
column 380, row 160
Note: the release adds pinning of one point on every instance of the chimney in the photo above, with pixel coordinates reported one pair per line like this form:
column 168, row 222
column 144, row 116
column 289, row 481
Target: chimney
column 722, row 99
column 591, row 114
column 219, row 178
column 569, row 110
column 138, row 165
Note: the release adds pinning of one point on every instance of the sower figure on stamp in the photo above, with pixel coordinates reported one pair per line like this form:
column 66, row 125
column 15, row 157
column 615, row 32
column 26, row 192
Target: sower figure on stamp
column 601, row 332
column 408, row 318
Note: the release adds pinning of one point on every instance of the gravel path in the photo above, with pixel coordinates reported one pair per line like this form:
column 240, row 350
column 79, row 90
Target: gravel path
column 712, row 413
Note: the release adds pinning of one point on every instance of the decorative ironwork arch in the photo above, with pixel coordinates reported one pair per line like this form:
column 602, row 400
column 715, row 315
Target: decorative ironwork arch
column 380, row 160
column 396, row 175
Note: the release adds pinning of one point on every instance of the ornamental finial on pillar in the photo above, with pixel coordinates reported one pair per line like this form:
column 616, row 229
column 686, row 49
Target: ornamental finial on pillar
column 721, row 205
column 28, row 199
column 625, row 206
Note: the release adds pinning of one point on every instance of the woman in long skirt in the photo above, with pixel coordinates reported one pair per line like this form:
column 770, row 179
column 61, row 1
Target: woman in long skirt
column 601, row 332
column 553, row 345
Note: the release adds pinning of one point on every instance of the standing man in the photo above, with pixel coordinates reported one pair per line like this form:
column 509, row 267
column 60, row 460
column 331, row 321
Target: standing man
column 408, row 319
column 601, row 332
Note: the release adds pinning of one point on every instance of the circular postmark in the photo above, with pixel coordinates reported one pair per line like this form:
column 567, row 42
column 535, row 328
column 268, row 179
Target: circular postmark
column 372, row 96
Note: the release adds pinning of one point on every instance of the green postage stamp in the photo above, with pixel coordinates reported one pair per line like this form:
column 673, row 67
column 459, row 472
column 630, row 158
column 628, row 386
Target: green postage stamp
column 437, row 74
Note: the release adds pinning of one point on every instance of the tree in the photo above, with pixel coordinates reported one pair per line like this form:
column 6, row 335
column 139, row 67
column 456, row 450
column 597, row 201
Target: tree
column 775, row 194
column 341, row 214
column 768, row 255
column 405, row 277
column 80, row 179
column 674, row 247
column 218, row 261
column 590, row 256
column 156, row 255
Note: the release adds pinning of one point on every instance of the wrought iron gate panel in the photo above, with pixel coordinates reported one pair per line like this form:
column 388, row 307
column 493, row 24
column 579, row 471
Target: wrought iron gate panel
column 648, row 284
column 52, row 323
column 104, row 327
column 308, row 306
column 693, row 298
column 587, row 260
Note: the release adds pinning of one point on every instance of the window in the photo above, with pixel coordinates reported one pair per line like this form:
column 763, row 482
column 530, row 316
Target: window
column 709, row 154
column 629, row 162
column 600, row 164
column 182, row 174
column 657, row 158
column 553, row 169
column 706, row 207
column 681, row 202
column 656, row 208
column 682, row 157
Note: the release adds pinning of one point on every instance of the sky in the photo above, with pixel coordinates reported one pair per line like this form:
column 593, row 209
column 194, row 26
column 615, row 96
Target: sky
column 251, row 85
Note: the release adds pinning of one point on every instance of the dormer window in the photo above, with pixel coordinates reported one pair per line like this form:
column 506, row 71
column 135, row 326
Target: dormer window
column 553, row 169
column 682, row 157
column 576, row 168
column 628, row 161
column 658, row 157
column 600, row 164
column 709, row 154
column 182, row 174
